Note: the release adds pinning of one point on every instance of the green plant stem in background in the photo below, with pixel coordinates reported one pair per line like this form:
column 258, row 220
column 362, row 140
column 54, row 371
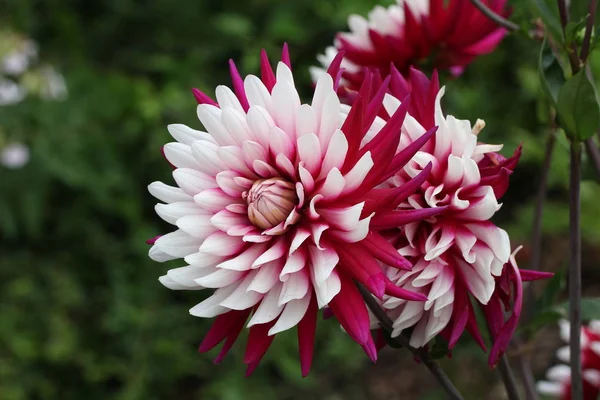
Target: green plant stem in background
column 401, row 341
column 575, row 272
column 511, row 26
column 508, row 378
column 589, row 28
column 535, row 263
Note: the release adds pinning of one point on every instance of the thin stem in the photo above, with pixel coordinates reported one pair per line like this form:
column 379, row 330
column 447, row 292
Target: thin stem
column 564, row 13
column 421, row 354
column 575, row 273
column 528, row 379
column 498, row 19
column 564, row 20
column 536, row 257
column 589, row 28
column 508, row 378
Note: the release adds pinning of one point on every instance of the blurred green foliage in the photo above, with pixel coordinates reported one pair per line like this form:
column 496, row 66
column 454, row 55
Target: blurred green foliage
column 82, row 313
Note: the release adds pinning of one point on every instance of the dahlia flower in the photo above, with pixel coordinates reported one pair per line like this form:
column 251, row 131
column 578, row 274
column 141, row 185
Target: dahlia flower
column 558, row 384
column 443, row 34
column 458, row 253
column 274, row 208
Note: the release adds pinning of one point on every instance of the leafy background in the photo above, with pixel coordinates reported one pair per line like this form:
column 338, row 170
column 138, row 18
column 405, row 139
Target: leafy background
column 82, row 313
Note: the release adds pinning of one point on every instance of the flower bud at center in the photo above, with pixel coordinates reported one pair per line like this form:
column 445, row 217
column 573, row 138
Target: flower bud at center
column 270, row 201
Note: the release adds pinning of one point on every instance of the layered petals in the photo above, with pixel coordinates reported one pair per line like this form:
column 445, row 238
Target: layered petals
column 558, row 378
column 444, row 228
column 270, row 205
column 447, row 35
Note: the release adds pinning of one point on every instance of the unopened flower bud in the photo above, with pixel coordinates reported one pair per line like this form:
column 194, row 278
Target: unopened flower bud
column 270, row 201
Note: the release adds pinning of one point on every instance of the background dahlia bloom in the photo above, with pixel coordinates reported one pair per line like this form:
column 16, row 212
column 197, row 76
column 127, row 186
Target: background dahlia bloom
column 457, row 253
column 445, row 34
column 558, row 384
column 274, row 205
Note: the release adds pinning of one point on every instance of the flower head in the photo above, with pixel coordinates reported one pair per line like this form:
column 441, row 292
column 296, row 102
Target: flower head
column 457, row 253
column 274, row 205
column 444, row 34
column 558, row 384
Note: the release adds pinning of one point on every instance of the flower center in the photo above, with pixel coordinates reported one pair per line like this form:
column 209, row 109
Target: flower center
column 270, row 201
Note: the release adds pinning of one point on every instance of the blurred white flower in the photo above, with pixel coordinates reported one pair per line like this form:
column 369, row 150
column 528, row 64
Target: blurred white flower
column 19, row 60
column 54, row 87
column 11, row 92
column 14, row 155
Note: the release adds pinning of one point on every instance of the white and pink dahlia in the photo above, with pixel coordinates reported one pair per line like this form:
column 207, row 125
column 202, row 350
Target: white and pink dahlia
column 275, row 205
column 439, row 33
column 558, row 383
column 457, row 253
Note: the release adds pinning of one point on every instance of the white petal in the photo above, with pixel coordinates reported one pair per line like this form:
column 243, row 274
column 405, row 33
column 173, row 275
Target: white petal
column 260, row 122
column 207, row 158
column 257, row 93
column 243, row 262
column 173, row 211
column 280, row 142
column 268, row 309
column 214, row 200
column 292, row 314
column 198, row 226
column 335, row 155
column 345, row 218
column 187, row 135
column 327, row 290
column 496, row 238
column 167, row 194
column 355, row 177
column 210, row 116
column 193, row 182
column 322, row 263
column 306, row 120
column 156, row 254
column 295, row 287
column 221, row 244
column 329, row 118
column 277, row 250
column 171, row 284
column 236, row 125
column 210, row 307
column 266, row 277
column 241, row 298
column 551, row 388
column 180, row 155
column 226, row 98
column 295, row 262
column 186, row 275
column 177, row 244
column 219, row 278
column 309, row 151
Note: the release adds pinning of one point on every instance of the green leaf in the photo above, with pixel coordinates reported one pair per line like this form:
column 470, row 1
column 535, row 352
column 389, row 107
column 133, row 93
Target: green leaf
column 550, row 73
column 549, row 14
column 590, row 308
column 575, row 30
column 577, row 107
